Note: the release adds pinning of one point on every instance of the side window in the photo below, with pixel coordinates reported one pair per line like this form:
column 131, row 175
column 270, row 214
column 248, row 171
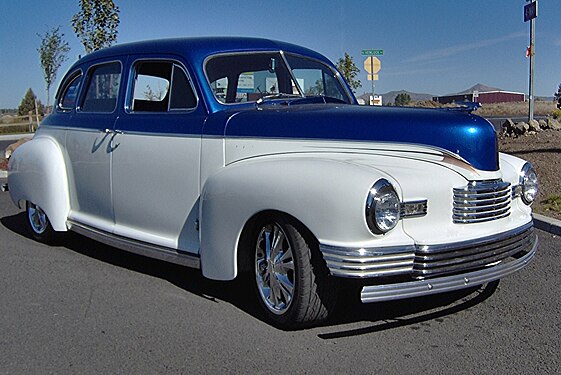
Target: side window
column 160, row 86
column 220, row 88
column 67, row 100
column 103, row 88
column 182, row 95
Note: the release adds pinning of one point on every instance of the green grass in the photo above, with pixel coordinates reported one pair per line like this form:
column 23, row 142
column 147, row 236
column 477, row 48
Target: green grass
column 552, row 203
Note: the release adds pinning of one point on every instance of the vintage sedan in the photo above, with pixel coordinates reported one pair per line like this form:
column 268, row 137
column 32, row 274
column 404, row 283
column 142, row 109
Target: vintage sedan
column 242, row 155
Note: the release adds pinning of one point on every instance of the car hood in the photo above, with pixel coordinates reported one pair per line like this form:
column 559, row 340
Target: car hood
column 470, row 137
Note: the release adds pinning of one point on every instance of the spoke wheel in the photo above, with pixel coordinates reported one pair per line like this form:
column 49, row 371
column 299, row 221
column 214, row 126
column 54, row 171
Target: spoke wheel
column 38, row 223
column 274, row 268
column 291, row 279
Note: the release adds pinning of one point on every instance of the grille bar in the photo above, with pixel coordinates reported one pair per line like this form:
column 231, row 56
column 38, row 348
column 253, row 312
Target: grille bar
column 481, row 201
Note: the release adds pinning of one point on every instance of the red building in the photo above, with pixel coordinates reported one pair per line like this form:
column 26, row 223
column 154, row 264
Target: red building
column 484, row 97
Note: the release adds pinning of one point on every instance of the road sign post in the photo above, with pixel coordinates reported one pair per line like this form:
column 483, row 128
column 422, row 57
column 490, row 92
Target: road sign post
column 372, row 64
column 530, row 14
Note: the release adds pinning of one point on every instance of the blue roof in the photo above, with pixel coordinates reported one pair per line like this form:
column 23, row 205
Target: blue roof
column 196, row 50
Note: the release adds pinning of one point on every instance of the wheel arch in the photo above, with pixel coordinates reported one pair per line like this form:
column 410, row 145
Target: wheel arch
column 37, row 174
column 244, row 246
column 325, row 196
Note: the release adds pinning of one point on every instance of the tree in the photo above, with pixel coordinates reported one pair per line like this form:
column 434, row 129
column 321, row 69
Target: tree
column 349, row 71
column 52, row 52
column 96, row 24
column 557, row 97
column 402, row 99
column 28, row 104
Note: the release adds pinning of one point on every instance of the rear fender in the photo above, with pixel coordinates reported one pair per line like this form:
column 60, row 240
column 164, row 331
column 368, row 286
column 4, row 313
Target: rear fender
column 37, row 174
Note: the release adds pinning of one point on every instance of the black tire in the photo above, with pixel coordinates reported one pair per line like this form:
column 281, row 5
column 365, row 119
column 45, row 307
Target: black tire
column 38, row 224
column 291, row 279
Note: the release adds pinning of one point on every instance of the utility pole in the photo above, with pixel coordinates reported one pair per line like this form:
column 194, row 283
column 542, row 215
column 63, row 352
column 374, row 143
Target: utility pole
column 530, row 14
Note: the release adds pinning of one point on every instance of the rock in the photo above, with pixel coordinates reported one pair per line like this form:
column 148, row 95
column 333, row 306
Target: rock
column 534, row 125
column 521, row 128
column 11, row 148
column 553, row 124
column 543, row 124
column 507, row 127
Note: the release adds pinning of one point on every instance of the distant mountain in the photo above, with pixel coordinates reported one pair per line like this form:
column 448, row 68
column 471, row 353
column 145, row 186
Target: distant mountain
column 479, row 87
column 389, row 97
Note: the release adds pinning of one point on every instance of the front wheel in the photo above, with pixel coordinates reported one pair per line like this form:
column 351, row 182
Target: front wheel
column 292, row 280
column 38, row 223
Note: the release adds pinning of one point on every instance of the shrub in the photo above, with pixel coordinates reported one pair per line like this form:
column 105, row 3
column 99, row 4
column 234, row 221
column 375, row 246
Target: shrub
column 557, row 114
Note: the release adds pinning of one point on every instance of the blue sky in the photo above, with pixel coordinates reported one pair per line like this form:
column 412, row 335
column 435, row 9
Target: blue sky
column 430, row 46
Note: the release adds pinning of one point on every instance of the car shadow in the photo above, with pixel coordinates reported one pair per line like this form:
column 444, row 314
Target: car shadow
column 240, row 292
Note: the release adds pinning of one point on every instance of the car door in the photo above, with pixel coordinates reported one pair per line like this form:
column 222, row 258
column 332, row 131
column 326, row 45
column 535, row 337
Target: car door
column 156, row 156
column 89, row 149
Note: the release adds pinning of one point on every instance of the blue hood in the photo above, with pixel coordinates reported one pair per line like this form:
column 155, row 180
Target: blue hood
column 469, row 136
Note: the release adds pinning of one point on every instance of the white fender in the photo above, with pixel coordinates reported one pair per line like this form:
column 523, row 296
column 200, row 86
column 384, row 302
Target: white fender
column 37, row 173
column 327, row 195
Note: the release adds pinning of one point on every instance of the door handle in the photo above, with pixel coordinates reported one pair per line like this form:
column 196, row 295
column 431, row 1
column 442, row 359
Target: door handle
column 111, row 131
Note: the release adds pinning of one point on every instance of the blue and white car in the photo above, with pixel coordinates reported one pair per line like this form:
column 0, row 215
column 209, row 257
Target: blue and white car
column 242, row 155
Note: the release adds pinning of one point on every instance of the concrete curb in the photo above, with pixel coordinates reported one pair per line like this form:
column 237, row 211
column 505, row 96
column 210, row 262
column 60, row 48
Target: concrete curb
column 547, row 224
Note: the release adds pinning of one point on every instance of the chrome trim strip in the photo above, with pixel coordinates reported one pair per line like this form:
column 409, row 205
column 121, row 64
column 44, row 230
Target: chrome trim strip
column 137, row 247
column 390, row 292
column 368, row 262
column 477, row 242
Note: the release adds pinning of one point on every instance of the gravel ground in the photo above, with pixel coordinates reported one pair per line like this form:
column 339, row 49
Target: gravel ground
column 543, row 150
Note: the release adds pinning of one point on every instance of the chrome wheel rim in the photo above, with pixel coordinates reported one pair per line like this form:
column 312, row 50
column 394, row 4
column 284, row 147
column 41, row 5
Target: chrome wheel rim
column 37, row 218
column 274, row 268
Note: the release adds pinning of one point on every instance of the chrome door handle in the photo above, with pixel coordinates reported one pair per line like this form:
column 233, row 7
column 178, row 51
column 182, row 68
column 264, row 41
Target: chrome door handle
column 111, row 131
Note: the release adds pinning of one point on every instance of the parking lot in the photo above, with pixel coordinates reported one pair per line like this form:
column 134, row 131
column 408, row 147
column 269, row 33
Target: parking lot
column 82, row 307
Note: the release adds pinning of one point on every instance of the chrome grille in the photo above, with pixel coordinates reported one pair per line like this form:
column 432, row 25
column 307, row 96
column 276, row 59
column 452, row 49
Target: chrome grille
column 454, row 258
column 481, row 201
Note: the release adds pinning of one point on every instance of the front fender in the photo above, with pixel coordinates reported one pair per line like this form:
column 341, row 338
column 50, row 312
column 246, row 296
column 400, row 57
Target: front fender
column 37, row 173
column 325, row 194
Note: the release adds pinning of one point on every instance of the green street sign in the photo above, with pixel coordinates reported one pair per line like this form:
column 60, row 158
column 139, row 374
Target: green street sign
column 372, row 52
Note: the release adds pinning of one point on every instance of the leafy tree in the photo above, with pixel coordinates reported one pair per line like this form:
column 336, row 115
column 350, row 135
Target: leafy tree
column 52, row 52
column 557, row 97
column 28, row 104
column 402, row 99
column 349, row 71
column 96, row 24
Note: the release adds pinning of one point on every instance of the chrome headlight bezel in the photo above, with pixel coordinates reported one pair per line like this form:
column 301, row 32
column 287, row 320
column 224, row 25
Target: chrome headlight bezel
column 528, row 182
column 383, row 207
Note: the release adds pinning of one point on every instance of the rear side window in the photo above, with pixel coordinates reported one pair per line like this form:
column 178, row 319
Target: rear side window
column 161, row 86
column 69, row 95
column 102, row 90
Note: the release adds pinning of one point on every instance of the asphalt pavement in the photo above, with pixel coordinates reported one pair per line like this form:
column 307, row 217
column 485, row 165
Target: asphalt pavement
column 81, row 307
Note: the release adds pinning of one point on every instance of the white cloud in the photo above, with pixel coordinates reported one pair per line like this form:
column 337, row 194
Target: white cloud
column 460, row 48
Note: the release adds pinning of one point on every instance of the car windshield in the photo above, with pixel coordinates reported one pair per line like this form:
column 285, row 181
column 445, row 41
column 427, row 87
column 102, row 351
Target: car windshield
column 257, row 77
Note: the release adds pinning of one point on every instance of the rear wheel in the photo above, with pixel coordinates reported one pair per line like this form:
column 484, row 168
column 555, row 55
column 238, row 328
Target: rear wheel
column 292, row 281
column 38, row 223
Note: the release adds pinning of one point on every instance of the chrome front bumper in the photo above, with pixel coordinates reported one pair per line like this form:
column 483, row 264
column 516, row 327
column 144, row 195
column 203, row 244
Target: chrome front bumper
column 388, row 292
column 436, row 268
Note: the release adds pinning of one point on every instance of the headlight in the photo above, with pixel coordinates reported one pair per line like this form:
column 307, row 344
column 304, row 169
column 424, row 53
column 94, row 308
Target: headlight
column 529, row 183
column 382, row 207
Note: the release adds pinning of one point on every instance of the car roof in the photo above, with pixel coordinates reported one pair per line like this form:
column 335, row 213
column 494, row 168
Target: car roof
column 196, row 50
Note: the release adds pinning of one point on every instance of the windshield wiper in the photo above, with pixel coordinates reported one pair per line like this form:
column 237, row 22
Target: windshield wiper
column 279, row 95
